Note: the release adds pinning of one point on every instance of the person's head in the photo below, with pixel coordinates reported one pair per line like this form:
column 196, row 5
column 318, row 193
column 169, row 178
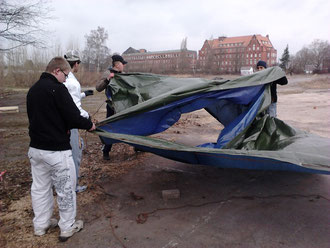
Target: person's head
column 72, row 56
column 261, row 65
column 118, row 62
column 59, row 68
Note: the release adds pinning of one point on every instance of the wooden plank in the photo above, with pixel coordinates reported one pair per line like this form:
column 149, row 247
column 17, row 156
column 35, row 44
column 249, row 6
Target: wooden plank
column 170, row 194
column 9, row 109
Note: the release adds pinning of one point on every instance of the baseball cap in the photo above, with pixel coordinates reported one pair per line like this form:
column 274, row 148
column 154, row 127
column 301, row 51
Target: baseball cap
column 118, row 58
column 262, row 63
column 72, row 55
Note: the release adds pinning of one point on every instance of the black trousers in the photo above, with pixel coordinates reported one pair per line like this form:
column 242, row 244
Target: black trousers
column 107, row 148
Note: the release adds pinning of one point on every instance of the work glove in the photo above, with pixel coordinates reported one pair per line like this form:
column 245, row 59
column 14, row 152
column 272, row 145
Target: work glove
column 89, row 92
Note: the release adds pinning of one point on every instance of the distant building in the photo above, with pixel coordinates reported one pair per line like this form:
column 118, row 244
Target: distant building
column 246, row 70
column 309, row 69
column 171, row 61
column 229, row 54
column 326, row 65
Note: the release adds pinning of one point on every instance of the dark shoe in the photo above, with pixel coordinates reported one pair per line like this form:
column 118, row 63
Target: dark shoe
column 137, row 150
column 106, row 156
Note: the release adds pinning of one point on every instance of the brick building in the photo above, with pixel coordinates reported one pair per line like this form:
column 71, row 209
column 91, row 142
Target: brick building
column 229, row 54
column 171, row 61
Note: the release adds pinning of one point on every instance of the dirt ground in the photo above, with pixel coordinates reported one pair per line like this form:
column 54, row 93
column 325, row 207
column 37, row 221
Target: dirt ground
column 131, row 183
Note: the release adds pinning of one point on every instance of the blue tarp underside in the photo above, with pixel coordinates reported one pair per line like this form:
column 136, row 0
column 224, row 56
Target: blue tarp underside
column 230, row 102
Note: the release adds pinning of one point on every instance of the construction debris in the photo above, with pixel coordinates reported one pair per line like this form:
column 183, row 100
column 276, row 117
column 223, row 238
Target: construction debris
column 9, row 109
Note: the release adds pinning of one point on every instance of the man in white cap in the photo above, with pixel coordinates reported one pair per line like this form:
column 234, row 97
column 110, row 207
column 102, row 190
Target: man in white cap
column 74, row 89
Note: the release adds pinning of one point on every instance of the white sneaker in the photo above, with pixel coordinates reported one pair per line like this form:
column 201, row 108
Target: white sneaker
column 52, row 224
column 76, row 227
column 81, row 188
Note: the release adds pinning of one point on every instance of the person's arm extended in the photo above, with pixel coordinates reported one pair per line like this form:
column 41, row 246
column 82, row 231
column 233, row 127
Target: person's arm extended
column 281, row 81
column 104, row 81
column 70, row 112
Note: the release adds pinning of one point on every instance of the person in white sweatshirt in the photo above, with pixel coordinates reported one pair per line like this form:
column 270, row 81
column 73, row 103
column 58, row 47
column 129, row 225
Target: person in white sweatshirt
column 74, row 89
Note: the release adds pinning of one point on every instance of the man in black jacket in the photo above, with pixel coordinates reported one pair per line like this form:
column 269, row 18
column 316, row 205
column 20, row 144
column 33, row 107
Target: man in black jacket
column 118, row 64
column 272, row 109
column 52, row 113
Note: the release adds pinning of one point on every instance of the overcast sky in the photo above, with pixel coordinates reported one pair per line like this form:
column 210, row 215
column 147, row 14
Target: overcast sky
column 162, row 24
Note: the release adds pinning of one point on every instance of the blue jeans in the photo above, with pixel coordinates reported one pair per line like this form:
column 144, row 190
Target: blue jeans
column 77, row 146
column 272, row 109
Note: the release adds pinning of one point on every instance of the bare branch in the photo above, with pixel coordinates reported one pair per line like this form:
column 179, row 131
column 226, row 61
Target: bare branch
column 22, row 23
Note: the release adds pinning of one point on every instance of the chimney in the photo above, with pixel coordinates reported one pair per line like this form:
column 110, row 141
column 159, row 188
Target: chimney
column 221, row 38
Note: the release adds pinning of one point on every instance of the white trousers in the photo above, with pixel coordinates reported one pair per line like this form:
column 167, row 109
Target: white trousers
column 53, row 168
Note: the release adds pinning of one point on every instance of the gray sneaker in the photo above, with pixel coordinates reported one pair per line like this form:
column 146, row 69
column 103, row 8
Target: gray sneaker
column 76, row 227
column 80, row 188
column 42, row 231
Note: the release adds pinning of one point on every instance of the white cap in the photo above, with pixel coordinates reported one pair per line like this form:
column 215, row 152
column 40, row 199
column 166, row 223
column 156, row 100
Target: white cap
column 72, row 55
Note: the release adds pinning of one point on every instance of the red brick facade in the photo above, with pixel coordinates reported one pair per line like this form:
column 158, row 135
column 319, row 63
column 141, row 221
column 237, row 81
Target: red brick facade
column 229, row 54
column 173, row 61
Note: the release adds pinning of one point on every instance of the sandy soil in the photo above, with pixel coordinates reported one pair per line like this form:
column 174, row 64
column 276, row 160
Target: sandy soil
column 304, row 104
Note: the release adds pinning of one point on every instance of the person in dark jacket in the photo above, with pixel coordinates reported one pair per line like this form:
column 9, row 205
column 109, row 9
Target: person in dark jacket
column 272, row 109
column 118, row 64
column 52, row 113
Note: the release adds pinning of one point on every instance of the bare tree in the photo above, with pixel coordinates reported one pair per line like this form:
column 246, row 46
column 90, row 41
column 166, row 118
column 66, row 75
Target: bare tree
column 73, row 44
column 96, row 52
column 57, row 49
column 320, row 51
column 302, row 58
column 21, row 23
column 183, row 60
column 313, row 55
column 184, row 44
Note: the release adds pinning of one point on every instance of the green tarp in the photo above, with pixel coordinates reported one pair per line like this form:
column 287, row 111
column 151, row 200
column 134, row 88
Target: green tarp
column 146, row 104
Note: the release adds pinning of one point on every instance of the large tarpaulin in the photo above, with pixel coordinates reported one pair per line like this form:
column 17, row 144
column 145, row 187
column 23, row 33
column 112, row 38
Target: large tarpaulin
column 147, row 104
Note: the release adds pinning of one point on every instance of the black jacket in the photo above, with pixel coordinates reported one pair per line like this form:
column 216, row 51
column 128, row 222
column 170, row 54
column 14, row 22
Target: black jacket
column 52, row 113
column 273, row 87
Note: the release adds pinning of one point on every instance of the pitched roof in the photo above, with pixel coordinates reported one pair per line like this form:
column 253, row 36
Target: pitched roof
column 244, row 40
column 130, row 50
